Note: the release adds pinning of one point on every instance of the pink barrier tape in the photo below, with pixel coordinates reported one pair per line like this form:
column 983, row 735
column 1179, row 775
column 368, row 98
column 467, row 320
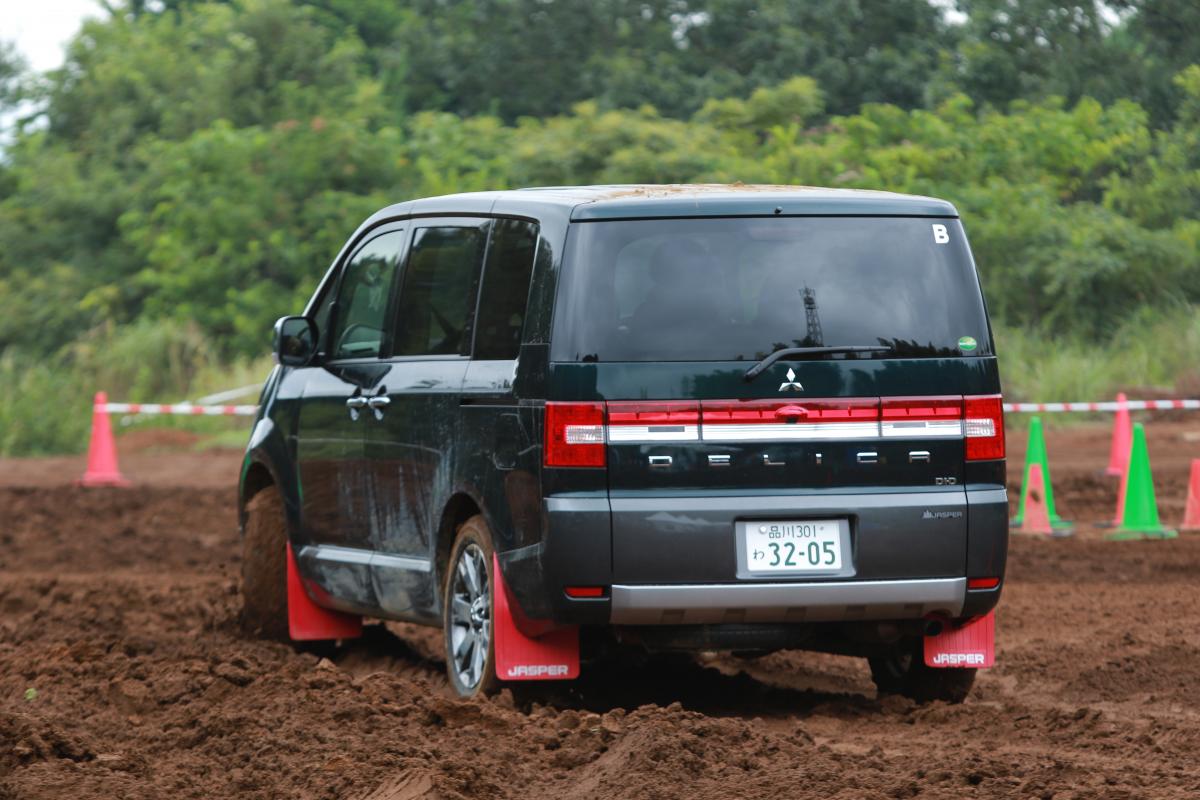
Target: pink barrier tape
column 1111, row 405
column 1036, row 408
column 178, row 408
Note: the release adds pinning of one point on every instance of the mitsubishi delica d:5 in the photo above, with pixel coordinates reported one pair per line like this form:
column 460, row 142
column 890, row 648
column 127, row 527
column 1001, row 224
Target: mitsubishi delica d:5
column 667, row 418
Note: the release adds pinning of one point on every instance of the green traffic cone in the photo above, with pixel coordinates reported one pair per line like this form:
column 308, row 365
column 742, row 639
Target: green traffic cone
column 1140, row 520
column 1035, row 453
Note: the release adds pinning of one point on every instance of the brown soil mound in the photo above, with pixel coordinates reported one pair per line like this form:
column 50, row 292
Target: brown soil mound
column 123, row 673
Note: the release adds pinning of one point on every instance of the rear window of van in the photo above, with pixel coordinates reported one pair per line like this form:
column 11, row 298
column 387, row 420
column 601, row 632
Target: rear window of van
column 732, row 289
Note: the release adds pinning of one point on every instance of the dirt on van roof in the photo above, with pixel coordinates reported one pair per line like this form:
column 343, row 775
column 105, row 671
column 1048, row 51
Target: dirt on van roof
column 671, row 190
column 123, row 673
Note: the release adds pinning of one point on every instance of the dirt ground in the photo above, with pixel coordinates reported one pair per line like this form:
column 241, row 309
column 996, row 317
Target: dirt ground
column 123, row 673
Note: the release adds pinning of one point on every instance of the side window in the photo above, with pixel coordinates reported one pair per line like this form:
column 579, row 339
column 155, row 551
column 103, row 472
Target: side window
column 321, row 317
column 438, row 295
column 363, row 298
column 505, row 290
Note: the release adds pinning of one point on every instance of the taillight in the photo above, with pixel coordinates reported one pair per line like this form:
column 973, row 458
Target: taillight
column 801, row 419
column 922, row 417
column 581, row 592
column 574, row 435
column 653, row 421
column 983, row 427
column 982, row 583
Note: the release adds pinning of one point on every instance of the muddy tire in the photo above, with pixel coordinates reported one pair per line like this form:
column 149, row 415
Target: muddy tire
column 904, row 673
column 467, row 612
column 264, row 567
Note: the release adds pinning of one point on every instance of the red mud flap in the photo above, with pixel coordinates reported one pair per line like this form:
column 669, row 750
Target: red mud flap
column 553, row 656
column 970, row 644
column 308, row 621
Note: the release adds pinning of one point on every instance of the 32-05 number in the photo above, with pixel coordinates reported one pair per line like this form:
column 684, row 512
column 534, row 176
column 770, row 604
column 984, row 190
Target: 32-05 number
column 783, row 554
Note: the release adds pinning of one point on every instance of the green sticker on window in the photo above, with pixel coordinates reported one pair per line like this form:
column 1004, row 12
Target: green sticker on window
column 967, row 343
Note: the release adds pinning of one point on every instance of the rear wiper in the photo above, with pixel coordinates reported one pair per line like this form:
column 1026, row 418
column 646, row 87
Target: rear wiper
column 787, row 352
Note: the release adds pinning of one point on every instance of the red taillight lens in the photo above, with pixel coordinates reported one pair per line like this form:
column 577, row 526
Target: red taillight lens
column 574, row 435
column 584, row 591
column 653, row 421
column 922, row 417
column 751, row 412
column 982, row 583
column 983, row 427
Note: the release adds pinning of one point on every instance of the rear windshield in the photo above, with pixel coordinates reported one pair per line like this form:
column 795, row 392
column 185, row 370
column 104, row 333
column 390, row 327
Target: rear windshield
column 739, row 289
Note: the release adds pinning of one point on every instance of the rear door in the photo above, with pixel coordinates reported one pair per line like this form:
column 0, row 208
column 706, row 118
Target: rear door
column 701, row 456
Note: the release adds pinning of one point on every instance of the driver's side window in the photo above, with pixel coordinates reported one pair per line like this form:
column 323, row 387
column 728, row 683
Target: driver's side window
column 362, row 304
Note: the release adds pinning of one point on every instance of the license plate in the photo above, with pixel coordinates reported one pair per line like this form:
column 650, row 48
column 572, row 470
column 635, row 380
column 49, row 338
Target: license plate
column 811, row 546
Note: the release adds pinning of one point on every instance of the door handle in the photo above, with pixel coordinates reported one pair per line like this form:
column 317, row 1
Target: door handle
column 379, row 402
column 869, row 457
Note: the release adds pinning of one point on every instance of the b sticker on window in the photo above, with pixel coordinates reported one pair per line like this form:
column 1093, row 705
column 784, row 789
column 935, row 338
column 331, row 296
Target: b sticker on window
column 940, row 234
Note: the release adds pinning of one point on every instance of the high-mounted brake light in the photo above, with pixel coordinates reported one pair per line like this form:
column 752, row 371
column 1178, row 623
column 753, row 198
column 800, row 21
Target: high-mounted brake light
column 983, row 427
column 574, row 435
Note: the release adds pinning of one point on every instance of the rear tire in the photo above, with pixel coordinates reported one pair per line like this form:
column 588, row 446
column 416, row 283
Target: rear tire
column 264, row 567
column 903, row 672
column 467, row 612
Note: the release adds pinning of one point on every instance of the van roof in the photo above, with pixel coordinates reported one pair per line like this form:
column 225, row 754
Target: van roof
column 636, row 201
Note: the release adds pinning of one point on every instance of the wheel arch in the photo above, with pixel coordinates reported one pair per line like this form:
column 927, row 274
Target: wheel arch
column 258, row 475
column 461, row 506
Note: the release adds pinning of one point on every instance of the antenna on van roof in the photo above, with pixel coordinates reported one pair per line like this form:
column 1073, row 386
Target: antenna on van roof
column 813, row 336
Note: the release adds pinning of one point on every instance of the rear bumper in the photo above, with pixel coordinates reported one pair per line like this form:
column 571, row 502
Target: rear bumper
column 913, row 553
column 839, row 601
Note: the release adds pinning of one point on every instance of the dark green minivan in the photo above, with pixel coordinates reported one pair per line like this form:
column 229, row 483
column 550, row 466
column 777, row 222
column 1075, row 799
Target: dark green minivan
column 671, row 417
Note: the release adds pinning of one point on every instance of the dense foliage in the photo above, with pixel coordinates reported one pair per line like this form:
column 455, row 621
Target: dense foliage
column 194, row 166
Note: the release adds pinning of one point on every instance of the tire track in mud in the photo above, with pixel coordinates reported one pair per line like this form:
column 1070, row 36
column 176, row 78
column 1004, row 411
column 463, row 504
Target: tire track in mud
column 120, row 611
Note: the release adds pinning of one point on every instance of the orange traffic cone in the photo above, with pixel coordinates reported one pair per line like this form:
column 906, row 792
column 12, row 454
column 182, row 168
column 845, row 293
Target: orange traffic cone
column 1191, row 511
column 1037, row 516
column 102, row 469
column 1122, row 441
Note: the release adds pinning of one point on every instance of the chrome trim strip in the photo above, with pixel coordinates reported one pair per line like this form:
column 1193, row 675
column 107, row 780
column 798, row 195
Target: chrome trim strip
column 364, row 558
column 341, row 555
column 407, row 563
column 923, row 429
column 784, row 432
column 621, row 434
column 828, row 601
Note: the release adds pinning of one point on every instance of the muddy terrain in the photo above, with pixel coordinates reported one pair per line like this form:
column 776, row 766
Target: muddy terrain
column 123, row 672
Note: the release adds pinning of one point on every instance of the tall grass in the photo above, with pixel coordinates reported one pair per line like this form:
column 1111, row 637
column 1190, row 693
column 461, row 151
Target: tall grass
column 1154, row 351
column 45, row 401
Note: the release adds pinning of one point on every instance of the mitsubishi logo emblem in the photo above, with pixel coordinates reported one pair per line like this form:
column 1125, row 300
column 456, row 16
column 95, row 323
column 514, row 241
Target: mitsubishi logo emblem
column 791, row 382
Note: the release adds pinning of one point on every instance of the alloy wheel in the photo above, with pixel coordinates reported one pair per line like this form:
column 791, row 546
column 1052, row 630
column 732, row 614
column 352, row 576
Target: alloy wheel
column 470, row 616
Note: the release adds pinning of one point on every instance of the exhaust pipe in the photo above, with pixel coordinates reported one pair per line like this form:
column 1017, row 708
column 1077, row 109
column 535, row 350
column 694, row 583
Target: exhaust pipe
column 934, row 626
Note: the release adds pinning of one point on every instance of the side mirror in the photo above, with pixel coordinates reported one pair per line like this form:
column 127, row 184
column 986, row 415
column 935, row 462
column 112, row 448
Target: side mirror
column 295, row 341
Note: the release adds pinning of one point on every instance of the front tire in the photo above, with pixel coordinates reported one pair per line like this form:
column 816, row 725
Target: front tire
column 264, row 567
column 467, row 612
column 904, row 672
